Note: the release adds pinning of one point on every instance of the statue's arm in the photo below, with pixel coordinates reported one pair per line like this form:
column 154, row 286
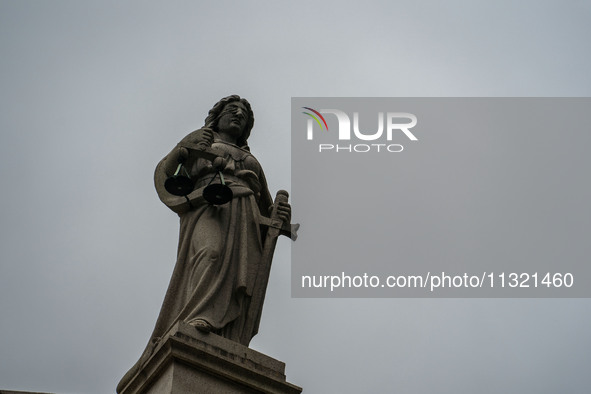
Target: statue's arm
column 266, row 202
column 202, row 137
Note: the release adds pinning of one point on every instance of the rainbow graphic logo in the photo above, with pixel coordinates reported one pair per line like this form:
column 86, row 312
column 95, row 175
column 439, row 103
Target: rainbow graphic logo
column 315, row 118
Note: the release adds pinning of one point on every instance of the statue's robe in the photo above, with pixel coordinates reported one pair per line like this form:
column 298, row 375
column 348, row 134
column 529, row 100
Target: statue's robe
column 219, row 252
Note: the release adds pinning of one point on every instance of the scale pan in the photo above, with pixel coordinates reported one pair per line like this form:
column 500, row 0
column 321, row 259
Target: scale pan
column 179, row 185
column 217, row 194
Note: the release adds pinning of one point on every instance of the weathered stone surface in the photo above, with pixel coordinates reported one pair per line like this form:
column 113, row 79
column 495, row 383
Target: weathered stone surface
column 226, row 244
column 188, row 361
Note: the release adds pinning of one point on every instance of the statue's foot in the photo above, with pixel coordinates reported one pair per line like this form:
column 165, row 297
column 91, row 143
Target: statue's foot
column 201, row 325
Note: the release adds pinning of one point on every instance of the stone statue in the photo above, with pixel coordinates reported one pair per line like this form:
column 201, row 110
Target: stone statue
column 225, row 250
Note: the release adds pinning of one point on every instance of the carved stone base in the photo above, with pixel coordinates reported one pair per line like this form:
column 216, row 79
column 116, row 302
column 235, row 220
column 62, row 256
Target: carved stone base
column 188, row 361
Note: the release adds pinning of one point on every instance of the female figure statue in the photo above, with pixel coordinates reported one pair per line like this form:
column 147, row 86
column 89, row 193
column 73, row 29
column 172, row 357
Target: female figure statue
column 220, row 246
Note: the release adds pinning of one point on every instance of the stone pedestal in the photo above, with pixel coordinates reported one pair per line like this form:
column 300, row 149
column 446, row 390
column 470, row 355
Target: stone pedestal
column 188, row 361
column 19, row 392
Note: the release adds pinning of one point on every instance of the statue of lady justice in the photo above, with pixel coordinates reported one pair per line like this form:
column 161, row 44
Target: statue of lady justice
column 216, row 284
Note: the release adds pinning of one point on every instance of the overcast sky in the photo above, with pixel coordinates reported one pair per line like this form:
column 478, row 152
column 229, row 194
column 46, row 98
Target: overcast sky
column 94, row 94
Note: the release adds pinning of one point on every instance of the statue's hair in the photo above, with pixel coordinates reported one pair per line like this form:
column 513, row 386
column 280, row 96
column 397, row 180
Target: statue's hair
column 214, row 114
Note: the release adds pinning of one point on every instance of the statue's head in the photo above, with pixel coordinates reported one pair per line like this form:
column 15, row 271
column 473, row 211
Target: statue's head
column 228, row 104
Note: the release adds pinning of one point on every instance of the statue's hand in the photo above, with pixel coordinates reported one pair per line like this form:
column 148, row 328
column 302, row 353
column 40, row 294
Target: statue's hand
column 284, row 212
column 219, row 163
column 202, row 137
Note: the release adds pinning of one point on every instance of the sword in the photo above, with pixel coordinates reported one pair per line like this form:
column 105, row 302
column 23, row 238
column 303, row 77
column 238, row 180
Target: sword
column 276, row 228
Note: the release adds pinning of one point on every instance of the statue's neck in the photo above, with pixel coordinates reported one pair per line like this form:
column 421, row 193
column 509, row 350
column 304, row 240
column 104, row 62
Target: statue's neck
column 227, row 138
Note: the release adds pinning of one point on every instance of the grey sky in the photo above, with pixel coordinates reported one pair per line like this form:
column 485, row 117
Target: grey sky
column 95, row 93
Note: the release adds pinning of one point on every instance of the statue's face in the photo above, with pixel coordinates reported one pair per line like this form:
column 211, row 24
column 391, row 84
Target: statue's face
column 233, row 119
